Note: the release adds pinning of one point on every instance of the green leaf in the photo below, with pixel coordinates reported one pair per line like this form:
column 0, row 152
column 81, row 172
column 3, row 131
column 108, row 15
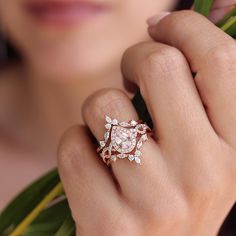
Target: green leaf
column 26, row 201
column 203, row 6
column 67, row 228
column 44, row 203
column 230, row 26
column 50, row 220
column 57, row 220
column 227, row 17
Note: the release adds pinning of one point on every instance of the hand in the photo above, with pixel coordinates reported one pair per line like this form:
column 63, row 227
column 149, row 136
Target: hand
column 186, row 185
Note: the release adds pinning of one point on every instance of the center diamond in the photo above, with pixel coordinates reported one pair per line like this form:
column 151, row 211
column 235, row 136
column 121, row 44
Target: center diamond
column 123, row 139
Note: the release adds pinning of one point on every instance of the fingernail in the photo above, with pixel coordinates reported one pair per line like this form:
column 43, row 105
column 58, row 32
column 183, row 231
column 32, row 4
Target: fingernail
column 153, row 20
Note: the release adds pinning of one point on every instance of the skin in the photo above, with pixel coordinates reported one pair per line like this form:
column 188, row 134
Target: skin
column 42, row 96
column 186, row 183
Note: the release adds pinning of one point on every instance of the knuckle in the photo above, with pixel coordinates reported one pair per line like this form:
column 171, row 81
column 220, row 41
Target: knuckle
column 117, row 223
column 106, row 101
column 128, row 54
column 134, row 51
column 205, row 196
column 174, row 214
column 175, row 208
column 165, row 61
column 178, row 19
column 188, row 14
column 229, row 162
column 232, row 168
column 223, row 57
column 207, row 186
column 69, row 147
column 209, row 174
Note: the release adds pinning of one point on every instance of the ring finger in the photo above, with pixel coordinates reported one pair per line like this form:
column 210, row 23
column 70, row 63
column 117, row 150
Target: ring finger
column 132, row 177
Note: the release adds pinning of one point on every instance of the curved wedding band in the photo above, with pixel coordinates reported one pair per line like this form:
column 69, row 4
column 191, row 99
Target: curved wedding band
column 123, row 140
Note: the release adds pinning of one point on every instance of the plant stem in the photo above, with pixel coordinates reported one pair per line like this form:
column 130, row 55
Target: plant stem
column 229, row 23
column 226, row 17
column 203, row 6
column 19, row 230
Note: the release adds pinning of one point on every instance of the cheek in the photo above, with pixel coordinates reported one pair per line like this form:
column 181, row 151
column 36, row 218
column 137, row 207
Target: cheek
column 133, row 16
column 141, row 11
column 60, row 52
column 12, row 18
column 76, row 57
column 83, row 50
column 13, row 23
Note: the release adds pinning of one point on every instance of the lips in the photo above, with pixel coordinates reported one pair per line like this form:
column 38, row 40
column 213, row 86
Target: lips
column 63, row 12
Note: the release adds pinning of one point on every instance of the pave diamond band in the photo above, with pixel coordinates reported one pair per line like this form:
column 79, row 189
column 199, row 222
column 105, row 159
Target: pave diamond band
column 123, row 140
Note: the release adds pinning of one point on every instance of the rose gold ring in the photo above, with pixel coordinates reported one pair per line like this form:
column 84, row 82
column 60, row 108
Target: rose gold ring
column 123, row 140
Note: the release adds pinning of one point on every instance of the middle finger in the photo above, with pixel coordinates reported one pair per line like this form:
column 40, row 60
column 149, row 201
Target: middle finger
column 167, row 85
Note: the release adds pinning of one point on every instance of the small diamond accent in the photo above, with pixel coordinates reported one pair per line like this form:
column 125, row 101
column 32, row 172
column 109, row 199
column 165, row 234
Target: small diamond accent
column 102, row 143
column 133, row 122
column 121, row 155
column 138, row 160
column 108, row 119
column 106, row 135
column 108, row 126
column 124, row 124
column 115, row 122
column 141, row 128
column 139, row 144
column 131, row 157
column 144, row 137
column 138, row 153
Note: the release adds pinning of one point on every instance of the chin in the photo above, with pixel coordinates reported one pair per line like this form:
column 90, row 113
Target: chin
column 74, row 61
column 71, row 68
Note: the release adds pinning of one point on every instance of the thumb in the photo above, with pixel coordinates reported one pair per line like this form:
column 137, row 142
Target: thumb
column 220, row 8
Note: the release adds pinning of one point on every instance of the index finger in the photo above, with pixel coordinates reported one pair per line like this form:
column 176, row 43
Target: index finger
column 193, row 34
column 211, row 54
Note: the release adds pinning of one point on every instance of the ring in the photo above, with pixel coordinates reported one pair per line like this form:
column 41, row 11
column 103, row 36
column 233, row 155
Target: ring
column 123, row 140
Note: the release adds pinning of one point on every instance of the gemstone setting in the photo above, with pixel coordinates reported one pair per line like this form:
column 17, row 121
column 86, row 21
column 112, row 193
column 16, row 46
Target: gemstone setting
column 123, row 140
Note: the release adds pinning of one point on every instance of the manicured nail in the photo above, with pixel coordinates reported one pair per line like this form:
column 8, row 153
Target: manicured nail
column 153, row 20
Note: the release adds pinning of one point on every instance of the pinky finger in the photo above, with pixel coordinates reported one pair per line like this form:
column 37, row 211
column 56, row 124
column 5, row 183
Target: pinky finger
column 88, row 184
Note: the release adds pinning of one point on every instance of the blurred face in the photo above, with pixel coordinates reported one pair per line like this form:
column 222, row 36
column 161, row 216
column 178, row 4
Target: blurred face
column 66, row 38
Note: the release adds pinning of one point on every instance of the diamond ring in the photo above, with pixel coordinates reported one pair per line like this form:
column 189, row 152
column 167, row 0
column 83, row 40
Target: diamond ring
column 123, row 140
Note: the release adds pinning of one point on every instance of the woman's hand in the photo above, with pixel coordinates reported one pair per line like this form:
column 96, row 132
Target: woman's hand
column 186, row 185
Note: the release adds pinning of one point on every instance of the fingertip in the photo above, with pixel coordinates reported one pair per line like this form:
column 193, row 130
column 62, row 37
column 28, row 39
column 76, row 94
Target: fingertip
column 70, row 146
column 153, row 20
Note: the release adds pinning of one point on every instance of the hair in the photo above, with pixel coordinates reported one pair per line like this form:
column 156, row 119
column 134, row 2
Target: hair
column 184, row 4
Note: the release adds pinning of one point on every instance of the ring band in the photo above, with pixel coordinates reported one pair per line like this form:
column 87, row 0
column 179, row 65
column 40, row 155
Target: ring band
column 123, row 140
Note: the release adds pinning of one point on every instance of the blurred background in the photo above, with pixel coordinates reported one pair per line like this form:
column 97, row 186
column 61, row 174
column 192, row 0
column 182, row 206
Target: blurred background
column 9, row 54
